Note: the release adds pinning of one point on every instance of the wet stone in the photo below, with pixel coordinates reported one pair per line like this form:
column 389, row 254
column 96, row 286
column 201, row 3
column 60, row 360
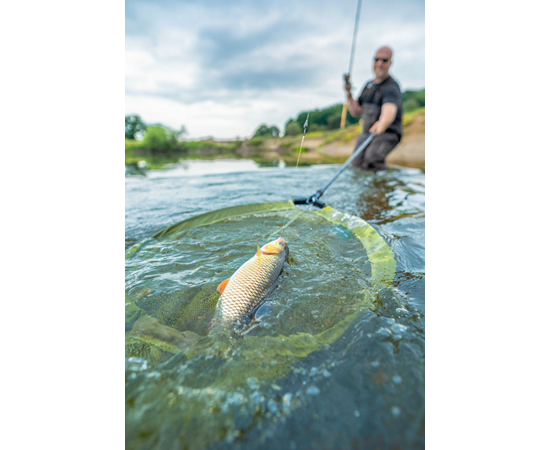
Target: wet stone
column 286, row 399
column 272, row 406
column 384, row 332
column 253, row 383
column 313, row 390
column 136, row 364
column 398, row 328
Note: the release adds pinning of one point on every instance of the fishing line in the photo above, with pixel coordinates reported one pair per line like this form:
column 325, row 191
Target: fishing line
column 357, row 16
column 306, row 123
column 293, row 177
column 299, row 153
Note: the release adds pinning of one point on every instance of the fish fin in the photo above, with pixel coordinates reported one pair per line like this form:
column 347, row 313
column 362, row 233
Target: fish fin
column 258, row 252
column 223, row 285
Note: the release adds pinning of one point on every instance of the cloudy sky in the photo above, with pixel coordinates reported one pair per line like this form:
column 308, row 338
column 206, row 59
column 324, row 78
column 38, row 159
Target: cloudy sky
column 223, row 68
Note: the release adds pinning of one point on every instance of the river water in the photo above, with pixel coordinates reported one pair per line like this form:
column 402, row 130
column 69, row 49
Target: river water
column 364, row 390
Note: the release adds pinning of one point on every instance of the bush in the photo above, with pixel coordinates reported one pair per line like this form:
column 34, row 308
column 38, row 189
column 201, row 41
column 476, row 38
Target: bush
column 320, row 117
column 411, row 104
column 293, row 128
column 256, row 141
column 333, row 122
column 419, row 96
column 134, row 127
column 315, row 127
column 131, row 145
column 159, row 139
column 264, row 130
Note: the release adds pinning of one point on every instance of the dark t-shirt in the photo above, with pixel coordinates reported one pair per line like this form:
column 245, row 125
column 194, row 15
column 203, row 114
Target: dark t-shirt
column 386, row 92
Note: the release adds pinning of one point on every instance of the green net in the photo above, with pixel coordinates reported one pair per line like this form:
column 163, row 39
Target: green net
column 337, row 263
column 210, row 385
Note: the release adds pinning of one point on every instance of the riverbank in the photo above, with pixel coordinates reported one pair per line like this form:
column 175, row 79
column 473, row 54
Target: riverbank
column 323, row 147
column 340, row 145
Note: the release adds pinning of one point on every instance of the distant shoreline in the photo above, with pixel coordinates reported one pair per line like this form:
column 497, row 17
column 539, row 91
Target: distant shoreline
column 321, row 147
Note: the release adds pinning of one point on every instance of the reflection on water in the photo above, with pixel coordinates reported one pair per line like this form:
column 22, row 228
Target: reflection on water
column 190, row 168
column 366, row 390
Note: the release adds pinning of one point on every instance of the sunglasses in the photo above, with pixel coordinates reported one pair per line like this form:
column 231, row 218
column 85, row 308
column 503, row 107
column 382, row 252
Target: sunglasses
column 384, row 60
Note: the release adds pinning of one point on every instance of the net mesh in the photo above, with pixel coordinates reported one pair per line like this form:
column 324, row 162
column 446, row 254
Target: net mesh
column 336, row 264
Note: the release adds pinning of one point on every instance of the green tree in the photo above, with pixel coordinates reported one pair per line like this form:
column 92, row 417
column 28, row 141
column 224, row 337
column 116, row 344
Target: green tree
column 421, row 97
column 316, row 127
column 418, row 99
column 293, row 128
column 320, row 118
column 411, row 104
column 159, row 139
column 134, row 126
column 333, row 122
column 264, row 130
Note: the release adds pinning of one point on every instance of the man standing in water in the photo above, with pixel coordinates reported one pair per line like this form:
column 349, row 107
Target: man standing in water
column 380, row 107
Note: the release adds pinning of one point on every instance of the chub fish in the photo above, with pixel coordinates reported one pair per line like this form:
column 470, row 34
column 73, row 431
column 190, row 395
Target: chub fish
column 243, row 292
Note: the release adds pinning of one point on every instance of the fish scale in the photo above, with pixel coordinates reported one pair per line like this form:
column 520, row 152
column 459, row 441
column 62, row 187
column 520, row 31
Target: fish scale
column 251, row 283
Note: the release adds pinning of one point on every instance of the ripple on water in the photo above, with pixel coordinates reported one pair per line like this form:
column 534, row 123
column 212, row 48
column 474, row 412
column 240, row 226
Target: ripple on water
column 360, row 380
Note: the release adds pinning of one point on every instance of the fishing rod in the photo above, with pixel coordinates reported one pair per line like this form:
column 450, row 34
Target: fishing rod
column 347, row 75
column 314, row 199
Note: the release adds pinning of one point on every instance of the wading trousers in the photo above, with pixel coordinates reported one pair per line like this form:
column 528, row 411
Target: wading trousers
column 374, row 156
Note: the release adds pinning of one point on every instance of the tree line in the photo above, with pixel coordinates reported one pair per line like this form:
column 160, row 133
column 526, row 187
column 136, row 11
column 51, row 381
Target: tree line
column 329, row 118
column 135, row 128
column 413, row 100
column 155, row 138
column 158, row 138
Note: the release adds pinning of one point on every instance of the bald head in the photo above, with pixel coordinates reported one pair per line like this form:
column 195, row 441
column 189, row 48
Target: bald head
column 382, row 63
column 384, row 52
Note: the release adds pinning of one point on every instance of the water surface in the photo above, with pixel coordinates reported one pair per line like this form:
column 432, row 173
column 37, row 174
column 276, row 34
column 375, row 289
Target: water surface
column 365, row 390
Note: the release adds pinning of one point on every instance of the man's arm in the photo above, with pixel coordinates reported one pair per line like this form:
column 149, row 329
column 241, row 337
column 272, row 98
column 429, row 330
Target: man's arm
column 355, row 109
column 387, row 116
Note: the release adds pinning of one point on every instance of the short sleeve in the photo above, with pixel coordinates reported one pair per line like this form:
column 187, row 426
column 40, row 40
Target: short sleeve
column 392, row 94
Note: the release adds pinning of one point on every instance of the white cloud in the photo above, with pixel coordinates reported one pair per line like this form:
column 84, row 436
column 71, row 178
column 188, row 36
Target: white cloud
column 223, row 70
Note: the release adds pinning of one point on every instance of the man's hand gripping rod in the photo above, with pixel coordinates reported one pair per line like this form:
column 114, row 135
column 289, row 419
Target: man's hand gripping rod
column 314, row 199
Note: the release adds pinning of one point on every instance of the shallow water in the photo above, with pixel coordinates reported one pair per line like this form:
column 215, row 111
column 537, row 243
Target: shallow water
column 364, row 390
